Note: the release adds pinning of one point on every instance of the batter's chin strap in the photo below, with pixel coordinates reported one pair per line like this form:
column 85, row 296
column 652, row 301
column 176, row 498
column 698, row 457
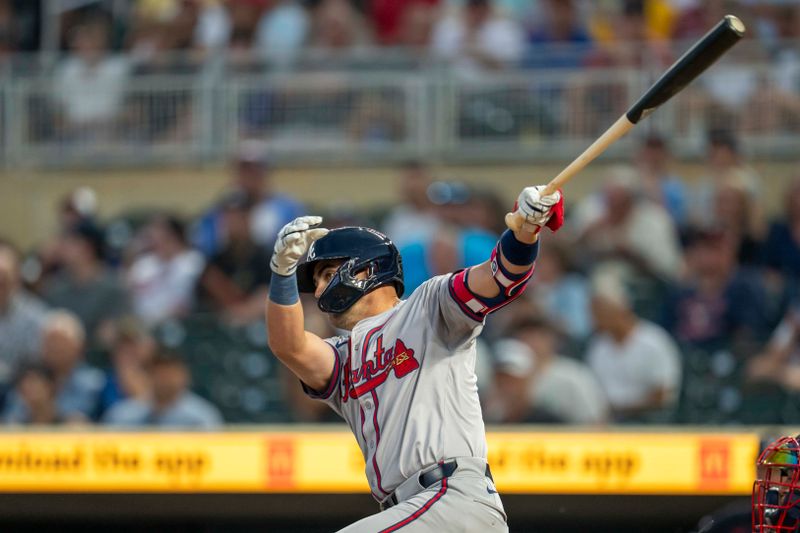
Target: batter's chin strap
column 511, row 287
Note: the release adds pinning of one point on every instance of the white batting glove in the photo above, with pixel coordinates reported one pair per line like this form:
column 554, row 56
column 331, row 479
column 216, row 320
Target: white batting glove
column 536, row 208
column 293, row 242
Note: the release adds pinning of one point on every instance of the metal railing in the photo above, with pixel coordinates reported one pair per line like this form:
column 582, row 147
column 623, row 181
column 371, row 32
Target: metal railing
column 351, row 116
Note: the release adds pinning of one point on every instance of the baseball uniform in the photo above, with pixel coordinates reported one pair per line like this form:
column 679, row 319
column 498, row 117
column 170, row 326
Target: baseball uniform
column 404, row 381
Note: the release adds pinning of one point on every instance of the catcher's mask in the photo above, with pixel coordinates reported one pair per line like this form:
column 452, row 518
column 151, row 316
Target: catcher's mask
column 776, row 491
column 363, row 250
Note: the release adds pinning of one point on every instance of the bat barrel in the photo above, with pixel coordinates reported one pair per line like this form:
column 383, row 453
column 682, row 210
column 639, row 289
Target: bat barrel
column 696, row 60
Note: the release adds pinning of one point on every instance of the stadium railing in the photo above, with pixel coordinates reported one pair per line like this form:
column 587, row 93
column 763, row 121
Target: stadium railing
column 340, row 113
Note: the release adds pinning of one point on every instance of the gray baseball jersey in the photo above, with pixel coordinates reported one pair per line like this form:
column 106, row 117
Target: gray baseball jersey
column 405, row 383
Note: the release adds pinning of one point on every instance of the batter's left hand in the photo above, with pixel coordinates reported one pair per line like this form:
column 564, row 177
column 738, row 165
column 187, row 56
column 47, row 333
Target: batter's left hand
column 293, row 242
column 540, row 210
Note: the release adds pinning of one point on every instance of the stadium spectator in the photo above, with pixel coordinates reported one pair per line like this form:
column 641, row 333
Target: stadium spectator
column 172, row 404
column 561, row 293
column 417, row 27
column 85, row 286
column 660, row 183
column 782, row 246
column 375, row 121
column 162, row 281
column 478, row 39
column 74, row 208
column 779, row 363
column 560, row 39
column 19, row 26
column 695, row 17
column 337, row 29
column 77, row 385
column 91, row 84
column 632, row 42
column 213, row 27
column 412, row 219
column 244, row 16
column 533, row 383
column 282, row 31
column 458, row 239
column 621, row 226
column 35, row 386
column 271, row 209
column 725, row 166
column 736, row 213
column 637, row 362
column 159, row 27
column 718, row 304
column 21, row 318
column 392, row 20
column 774, row 107
column 596, row 101
column 786, row 65
column 235, row 280
column 132, row 350
column 9, row 35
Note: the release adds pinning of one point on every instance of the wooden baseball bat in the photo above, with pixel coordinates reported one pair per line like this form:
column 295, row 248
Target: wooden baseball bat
column 694, row 62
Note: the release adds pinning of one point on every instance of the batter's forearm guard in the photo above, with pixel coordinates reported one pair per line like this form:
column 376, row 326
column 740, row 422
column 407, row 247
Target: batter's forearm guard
column 510, row 284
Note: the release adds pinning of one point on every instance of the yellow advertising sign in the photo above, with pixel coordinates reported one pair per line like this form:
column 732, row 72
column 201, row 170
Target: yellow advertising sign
column 566, row 463
column 623, row 463
column 131, row 462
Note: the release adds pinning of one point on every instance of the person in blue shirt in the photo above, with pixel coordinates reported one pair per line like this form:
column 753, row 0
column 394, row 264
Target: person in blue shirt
column 560, row 40
column 659, row 181
column 271, row 210
column 171, row 402
column 77, row 385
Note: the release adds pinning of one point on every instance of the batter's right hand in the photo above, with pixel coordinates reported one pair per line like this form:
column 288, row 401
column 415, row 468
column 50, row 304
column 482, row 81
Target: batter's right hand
column 293, row 242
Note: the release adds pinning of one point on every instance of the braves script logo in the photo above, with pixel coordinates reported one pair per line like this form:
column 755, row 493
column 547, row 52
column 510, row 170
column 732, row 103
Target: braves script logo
column 374, row 371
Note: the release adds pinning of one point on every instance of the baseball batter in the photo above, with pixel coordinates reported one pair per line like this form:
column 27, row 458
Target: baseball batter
column 404, row 377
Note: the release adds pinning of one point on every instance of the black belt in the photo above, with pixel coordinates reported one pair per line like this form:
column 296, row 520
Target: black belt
column 441, row 471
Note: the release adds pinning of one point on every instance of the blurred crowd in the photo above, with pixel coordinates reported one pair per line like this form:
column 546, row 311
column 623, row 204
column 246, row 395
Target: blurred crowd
column 661, row 300
column 100, row 46
column 476, row 33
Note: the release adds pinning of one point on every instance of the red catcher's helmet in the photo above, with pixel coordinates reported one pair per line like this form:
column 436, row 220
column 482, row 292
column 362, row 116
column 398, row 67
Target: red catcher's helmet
column 776, row 491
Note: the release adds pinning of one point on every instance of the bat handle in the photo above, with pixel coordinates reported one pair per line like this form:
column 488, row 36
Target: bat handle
column 622, row 126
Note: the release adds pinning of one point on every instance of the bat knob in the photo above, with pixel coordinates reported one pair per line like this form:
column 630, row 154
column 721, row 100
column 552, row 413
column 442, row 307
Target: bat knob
column 514, row 221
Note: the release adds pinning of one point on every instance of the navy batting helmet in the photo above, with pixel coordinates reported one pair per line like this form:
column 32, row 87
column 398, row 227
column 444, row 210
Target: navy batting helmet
column 363, row 249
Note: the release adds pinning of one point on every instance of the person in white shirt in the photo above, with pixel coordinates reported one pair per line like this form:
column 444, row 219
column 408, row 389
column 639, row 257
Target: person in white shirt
column 637, row 362
column 533, row 383
column 162, row 281
column 621, row 226
column 478, row 39
column 91, row 83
